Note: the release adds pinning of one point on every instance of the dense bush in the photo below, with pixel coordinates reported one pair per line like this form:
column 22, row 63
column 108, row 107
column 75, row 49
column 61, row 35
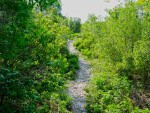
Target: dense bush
column 34, row 60
column 118, row 49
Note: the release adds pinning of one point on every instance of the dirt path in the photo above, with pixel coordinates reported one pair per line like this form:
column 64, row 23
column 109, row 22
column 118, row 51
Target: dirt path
column 76, row 87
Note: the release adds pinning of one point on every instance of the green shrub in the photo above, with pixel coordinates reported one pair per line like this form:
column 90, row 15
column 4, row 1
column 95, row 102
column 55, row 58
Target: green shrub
column 118, row 50
column 34, row 58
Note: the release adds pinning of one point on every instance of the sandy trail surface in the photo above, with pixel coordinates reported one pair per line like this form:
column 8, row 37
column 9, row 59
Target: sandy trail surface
column 76, row 86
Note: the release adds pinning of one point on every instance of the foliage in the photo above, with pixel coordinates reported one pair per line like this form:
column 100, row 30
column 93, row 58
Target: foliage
column 75, row 24
column 118, row 49
column 34, row 60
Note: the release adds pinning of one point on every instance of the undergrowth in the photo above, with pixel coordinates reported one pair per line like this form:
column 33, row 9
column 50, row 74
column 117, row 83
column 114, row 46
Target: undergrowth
column 118, row 50
column 35, row 63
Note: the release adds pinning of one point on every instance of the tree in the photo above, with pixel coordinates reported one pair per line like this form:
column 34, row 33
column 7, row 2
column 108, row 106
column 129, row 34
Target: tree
column 75, row 24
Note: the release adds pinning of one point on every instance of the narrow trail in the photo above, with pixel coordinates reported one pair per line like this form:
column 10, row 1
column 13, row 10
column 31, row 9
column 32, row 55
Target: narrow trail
column 76, row 87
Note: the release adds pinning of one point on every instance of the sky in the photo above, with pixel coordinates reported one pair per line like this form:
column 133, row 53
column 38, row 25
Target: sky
column 82, row 8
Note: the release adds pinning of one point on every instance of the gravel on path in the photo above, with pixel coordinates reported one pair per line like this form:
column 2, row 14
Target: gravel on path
column 76, row 87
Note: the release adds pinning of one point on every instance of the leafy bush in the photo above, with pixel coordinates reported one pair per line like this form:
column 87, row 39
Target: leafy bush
column 118, row 49
column 34, row 60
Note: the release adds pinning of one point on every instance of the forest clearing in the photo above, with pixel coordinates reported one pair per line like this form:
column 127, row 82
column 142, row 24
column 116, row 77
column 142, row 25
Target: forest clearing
column 51, row 63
